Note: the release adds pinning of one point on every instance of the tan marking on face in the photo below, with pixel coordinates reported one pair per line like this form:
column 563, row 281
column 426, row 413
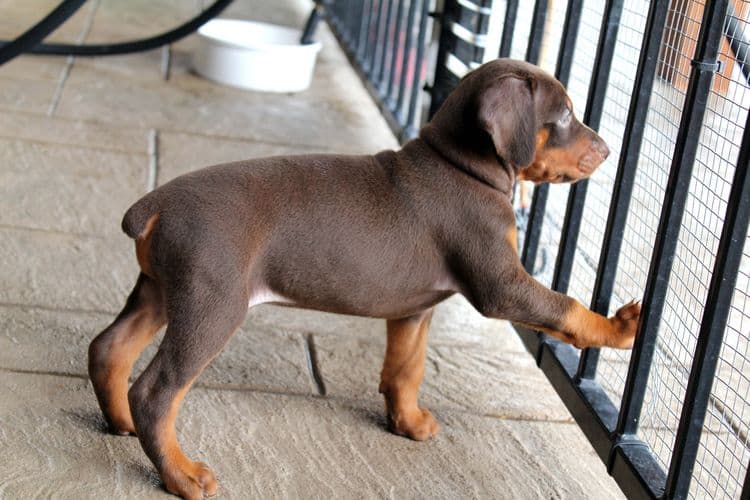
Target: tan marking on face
column 560, row 164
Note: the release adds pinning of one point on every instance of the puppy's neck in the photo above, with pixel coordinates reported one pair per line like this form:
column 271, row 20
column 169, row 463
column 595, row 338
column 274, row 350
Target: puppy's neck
column 470, row 155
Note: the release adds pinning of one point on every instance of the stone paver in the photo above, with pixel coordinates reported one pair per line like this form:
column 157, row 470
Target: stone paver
column 271, row 446
column 67, row 188
column 195, row 105
column 481, row 380
column 46, row 129
column 58, row 270
column 256, row 358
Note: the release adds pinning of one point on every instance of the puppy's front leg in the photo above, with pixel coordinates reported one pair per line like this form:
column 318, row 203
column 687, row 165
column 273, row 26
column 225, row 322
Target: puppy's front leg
column 522, row 299
column 403, row 370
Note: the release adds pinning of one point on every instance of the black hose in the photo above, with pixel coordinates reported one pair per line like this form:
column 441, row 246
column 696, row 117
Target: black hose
column 37, row 33
column 112, row 48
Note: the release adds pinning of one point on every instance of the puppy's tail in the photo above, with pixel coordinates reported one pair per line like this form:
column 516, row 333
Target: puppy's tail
column 140, row 217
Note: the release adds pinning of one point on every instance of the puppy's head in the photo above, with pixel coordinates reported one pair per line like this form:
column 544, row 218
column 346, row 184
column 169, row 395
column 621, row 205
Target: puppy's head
column 526, row 116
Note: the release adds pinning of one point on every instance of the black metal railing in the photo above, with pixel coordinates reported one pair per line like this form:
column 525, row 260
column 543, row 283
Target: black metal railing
column 386, row 41
column 664, row 220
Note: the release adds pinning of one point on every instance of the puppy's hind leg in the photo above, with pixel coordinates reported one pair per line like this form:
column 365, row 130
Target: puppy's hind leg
column 403, row 370
column 114, row 351
column 200, row 323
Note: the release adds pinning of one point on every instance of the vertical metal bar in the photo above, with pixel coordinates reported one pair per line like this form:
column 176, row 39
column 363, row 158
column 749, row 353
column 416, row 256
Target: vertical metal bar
column 382, row 33
column 568, row 41
column 382, row 65
column 713, row 325
column 746, row 488
column 592, row 117
column 408, row 47
column 349, row 16
column 541, row 192
column 534, row 227
column 509, row 27
column 441, row 84
column 394, row 64
column 312, row 23
column 357, row 15
column 482, row 25
column 688, row 137
column 372, row 46
column 622, row 188
column 419, row 65
column 364, row 35
column 536, row 35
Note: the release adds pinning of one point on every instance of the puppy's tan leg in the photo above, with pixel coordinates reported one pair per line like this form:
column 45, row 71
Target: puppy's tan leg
column 114, row 351
column 403, row 370
column 530, row 303
column 200, row 323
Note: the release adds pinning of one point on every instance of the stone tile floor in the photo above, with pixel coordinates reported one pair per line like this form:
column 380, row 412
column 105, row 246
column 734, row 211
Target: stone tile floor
column 80, row 140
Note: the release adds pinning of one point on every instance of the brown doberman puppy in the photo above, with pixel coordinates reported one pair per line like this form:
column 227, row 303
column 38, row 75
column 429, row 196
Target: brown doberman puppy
column 386, row 236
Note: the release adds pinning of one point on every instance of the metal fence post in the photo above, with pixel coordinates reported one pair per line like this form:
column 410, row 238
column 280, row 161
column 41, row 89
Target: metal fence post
column 408, row 46
column 539, row 201
column 704, row 65
column 411, row 127
column 389, row 89
column 592, row 117
column 625, row 177
column 444, row 80
column 564, row 63
column 509, row 27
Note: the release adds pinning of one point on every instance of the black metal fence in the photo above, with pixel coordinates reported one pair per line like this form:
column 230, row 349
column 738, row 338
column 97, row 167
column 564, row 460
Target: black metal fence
column 664, row 220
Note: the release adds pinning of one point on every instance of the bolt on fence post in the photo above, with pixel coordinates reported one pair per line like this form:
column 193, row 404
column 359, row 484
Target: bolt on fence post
column 667, row 235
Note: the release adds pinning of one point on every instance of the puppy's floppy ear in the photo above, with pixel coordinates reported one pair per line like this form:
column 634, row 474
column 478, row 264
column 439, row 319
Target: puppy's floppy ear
column 506, row 113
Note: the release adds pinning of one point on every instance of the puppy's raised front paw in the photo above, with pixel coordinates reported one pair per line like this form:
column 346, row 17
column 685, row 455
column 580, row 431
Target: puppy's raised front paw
column 625, row 325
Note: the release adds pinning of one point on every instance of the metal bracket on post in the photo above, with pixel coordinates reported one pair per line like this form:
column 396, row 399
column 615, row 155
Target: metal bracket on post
column 708, row 66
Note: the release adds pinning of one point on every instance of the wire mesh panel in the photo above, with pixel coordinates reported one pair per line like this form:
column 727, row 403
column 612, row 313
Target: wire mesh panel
column 622, row 76
column 724, row 451
column 551, row 28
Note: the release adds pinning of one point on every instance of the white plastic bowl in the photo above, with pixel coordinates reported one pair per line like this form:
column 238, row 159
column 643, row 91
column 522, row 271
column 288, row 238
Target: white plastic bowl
column 256, row 56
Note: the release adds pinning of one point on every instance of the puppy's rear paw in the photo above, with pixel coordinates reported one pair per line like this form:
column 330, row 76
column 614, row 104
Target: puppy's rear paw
column 190, row 480
column 625, row 325
column 419, row 425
